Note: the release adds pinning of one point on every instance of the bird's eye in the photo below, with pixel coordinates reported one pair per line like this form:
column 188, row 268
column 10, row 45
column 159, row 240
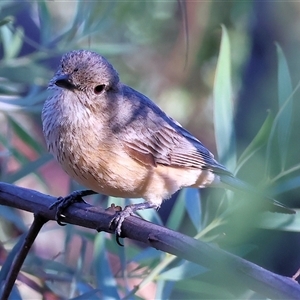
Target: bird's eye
column 76, row 69
column 99, row 88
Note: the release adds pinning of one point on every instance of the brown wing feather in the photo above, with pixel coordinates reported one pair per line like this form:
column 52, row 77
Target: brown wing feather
column 169, row 147
column 151, row 137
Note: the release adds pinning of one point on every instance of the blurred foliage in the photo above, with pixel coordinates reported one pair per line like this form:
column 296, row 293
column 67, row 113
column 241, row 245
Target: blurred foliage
column 148, row 42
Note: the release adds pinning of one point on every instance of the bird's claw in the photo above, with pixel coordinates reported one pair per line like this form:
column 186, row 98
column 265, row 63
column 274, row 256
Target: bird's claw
column 63, row 203
column 118, row 219
column 60, row 205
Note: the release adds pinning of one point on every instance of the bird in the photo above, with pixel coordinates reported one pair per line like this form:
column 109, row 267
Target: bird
column 115, row 141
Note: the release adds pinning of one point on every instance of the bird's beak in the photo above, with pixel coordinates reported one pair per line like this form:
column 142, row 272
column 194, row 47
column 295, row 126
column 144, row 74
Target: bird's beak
column 64, row 82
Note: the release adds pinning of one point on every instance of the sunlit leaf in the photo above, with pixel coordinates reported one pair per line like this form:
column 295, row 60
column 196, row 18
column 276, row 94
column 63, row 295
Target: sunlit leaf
column 223, row 105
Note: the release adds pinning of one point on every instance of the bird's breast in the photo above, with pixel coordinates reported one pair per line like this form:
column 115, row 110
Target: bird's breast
column 97, row 161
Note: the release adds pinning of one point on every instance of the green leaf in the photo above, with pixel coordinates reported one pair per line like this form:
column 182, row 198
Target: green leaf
column 45, row 23
column 197, row 287
column 164, row 289
column 7, row 20
column 32, row 102
column 17, row 42
column 10, row 258
column 146, row 255
column 25, row 71
column 88, row 295
column 185, row 270
column 11, row 151
column 284, row 186
column 81, row 14
column 284, row 92
column 25, row 136
column 177, row 213
column 223, row 105
column 280, row 221
column 104, row 276
column 28, row 168
column 12, row 42
column 193, row 206
column 259, row 140
column 281, row 111
column 12, row 215
column 6, row 267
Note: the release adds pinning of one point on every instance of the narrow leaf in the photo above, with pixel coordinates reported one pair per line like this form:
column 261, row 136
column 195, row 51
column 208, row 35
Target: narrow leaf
column 185, row 270
column 12, row 42
column 280, row 222
column 259, row 140
column 6, row 20
column 88, row 295
column 212, row 290
column 46, row 22
column 223, row 106
column 23, row 134
column 284, row 91
column 104, row 276
column 28, row 168
column 193, row 206
column 6, row 266
column 177, row 213
column 16, row 43
column 164, row 289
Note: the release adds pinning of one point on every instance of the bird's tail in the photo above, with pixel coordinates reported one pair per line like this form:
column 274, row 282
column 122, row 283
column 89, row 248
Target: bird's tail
column 272, row 205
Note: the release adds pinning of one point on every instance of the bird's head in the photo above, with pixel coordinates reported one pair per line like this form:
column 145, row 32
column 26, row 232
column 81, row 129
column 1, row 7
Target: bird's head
column 86, row 71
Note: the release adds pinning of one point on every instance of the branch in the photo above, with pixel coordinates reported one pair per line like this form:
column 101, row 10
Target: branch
column 237, row 270
column 15, row 267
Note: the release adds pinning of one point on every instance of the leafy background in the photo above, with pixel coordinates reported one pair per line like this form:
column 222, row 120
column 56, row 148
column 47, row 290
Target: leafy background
column 235, row 87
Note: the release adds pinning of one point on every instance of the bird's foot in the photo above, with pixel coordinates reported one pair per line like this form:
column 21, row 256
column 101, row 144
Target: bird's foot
column 121, row 215
column 119, row 218
column 63, row 203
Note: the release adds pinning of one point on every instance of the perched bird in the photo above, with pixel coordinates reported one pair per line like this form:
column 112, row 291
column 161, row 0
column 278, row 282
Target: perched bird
column 116, row 141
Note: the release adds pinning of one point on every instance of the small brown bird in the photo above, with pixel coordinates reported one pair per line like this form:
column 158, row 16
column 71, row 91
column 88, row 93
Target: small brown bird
column 116, row 141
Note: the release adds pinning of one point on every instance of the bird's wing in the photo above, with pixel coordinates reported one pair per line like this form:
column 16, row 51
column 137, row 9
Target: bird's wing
column 167, row 147
column 152, row 138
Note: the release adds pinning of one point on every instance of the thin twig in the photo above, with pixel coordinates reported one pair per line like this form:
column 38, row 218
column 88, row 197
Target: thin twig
column 12, row 275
